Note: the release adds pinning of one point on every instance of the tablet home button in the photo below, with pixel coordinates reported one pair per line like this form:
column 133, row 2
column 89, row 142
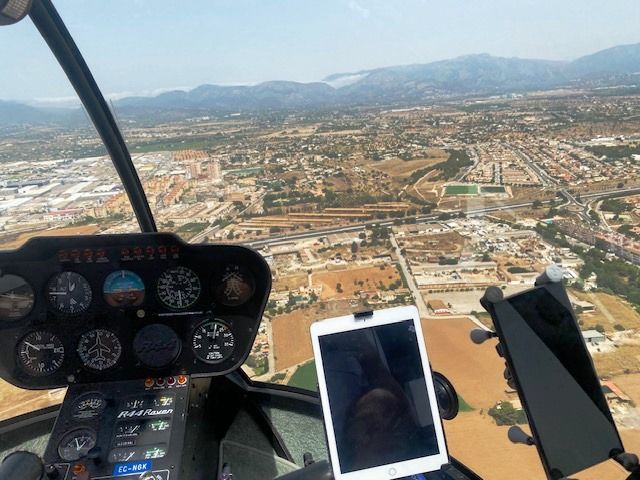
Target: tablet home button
column 392, row 471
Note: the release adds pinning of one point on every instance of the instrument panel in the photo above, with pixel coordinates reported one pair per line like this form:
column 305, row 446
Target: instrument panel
column 116, row 307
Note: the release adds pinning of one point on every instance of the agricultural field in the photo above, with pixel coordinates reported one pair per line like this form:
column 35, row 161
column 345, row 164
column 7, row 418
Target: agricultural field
column 288, row 283
column 353, row 280
column 71, row 231
column 610, row 310
column 291, row 338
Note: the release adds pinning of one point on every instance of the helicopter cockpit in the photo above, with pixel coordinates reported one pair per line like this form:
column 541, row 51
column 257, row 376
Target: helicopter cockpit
column 146, row 337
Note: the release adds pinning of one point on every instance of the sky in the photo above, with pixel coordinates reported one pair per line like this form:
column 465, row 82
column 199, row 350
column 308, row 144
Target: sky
column 143, row 47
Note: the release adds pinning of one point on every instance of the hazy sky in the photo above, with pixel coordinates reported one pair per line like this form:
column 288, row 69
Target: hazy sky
column 144, row 46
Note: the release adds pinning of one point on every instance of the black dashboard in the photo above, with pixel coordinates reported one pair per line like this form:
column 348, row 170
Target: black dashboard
column 102, row 308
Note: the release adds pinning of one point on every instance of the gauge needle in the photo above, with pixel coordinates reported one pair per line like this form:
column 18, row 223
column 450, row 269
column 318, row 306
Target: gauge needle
column 58, row 293
column 179, row 297
column 72, row 286
column 32, row 346
column 215, row 331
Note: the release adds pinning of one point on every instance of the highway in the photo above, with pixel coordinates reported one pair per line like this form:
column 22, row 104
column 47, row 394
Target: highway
column 427, row 218
column 411, row 283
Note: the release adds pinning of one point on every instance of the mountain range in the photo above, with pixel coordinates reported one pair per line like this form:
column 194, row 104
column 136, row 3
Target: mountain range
column 480, row 74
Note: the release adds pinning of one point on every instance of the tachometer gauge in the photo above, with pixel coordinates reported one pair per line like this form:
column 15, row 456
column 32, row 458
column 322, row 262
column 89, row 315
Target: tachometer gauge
column 99, row 349
column 76, row 444
column 16, row 297
column 69, row 292
column 123, row 288
column 178, row 288
column 87, row 406
column 40, row 353
column 234, row 287
column 212, row 341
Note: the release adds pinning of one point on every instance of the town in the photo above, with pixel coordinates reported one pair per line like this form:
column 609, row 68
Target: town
column 368, row 208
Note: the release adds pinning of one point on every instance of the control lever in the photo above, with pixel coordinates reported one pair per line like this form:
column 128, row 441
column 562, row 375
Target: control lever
column 517, row 435
column 21, row 465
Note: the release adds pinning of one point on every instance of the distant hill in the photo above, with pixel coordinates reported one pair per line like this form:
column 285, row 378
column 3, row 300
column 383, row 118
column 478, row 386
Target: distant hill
column 14, row 113
column 623, row 59
column 470, row 74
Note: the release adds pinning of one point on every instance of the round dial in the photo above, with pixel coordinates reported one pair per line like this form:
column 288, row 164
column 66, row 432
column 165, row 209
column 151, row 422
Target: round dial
column 178, row 287
column 76, row 444
column 16, row 297
column 123, row 288
column 69, row 292
column 212, row 341
column 99, row 349
column 89, row 405
column 235, row 286
column 40, row 353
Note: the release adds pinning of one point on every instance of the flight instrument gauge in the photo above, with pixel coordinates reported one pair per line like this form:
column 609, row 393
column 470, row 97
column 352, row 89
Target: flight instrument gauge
column 87, row 406
column 123, row 288
column 99, row 349
column 76, row 444
column 212, row 342
column 178, row 288
column 40, row 353
column 235, row 286
column 69, row 292
column 16, row 297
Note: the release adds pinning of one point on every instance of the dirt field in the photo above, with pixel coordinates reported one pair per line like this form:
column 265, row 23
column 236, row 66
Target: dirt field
column 475, row 370
column 610, row 310
column 437, row 244
column 396, row 167
column 290, row 282
column 23, row 237
column 15, row 401
column 291, row 338
column 349, row 280
column 479, row 443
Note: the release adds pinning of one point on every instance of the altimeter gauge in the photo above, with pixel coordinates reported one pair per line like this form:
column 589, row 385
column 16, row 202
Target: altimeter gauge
column 69, row 292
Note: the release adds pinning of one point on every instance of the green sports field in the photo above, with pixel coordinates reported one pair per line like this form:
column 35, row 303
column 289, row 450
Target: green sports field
column 461, row 189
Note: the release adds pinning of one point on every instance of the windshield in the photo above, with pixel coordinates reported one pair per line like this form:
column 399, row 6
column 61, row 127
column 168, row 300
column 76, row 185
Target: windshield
column 375, row 155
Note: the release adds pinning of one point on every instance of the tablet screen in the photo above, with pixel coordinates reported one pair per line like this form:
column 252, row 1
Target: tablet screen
column 378, row 396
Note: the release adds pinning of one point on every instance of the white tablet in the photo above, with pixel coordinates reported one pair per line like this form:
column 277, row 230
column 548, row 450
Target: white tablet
column 377, row 394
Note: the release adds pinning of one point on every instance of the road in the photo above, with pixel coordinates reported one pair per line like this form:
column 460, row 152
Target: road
column 427, row 218
column 411, row 283
column 423, row 218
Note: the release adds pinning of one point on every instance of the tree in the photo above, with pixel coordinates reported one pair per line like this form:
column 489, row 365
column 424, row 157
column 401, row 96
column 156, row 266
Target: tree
column 599, row 328
column 354, row 248
column 537, row 204
column 339, row 287
column 505, row 414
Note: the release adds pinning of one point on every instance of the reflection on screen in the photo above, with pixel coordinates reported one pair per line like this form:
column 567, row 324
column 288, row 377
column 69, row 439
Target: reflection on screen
column 378, row 396
column 562, row 393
